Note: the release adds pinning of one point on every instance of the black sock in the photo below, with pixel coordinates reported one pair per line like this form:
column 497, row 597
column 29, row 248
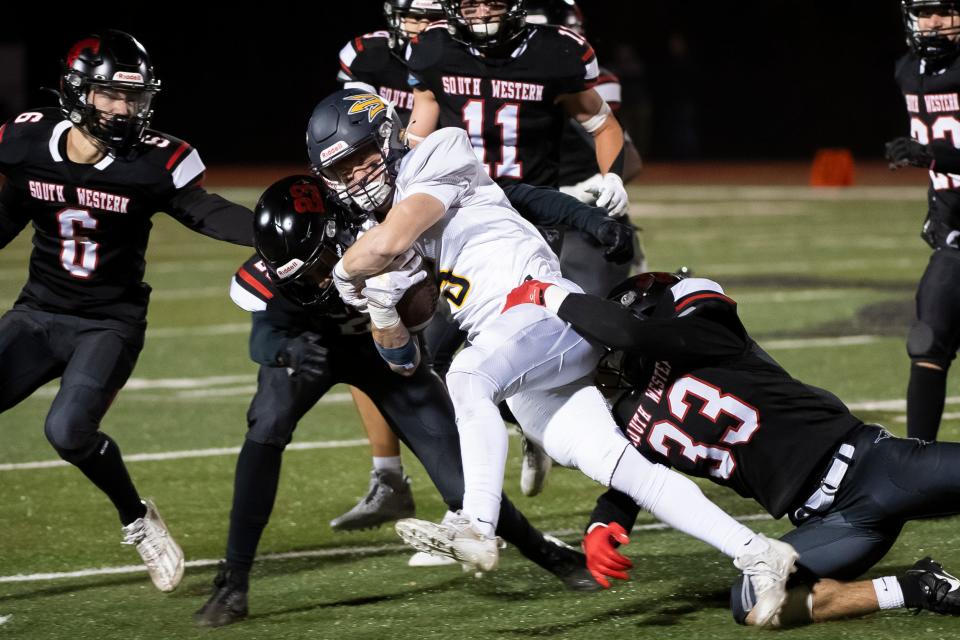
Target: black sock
column 913, row 593
column 254, row 492
column 514, row 527
column 925, row 398
column 104, row 467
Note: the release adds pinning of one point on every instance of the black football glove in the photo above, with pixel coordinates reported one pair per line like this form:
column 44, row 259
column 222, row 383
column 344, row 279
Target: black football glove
column 618, row 240
column 907, row 152
column 304, row 356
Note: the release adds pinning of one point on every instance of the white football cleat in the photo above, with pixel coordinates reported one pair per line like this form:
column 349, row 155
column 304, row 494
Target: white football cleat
column 424, row 559
column 534, row 467
column 457, row 539
column 160, row 552
column 768, row 573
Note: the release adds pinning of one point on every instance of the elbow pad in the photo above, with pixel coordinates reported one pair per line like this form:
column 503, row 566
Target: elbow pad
column 593, row 124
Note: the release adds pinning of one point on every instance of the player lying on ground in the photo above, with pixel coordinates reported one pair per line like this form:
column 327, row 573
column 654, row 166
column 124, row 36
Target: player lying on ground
column 698, row 394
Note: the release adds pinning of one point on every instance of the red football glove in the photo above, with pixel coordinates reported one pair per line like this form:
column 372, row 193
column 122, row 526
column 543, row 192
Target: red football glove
column 603, row 559
column 530, row 292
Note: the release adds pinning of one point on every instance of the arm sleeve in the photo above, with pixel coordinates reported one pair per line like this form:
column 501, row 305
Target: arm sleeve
column 616, row 327
column 12, row 218
column 211, row 215
column 268, row 337
column 615, row 506
column 547, row 207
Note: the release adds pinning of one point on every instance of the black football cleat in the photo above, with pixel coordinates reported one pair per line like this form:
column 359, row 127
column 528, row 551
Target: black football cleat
column 940, row 589
column 568, row 564
column 227, row 603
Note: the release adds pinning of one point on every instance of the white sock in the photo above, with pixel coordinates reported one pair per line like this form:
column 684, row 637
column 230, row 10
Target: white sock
column 678, row 502
column 889, row 593
column 756, row 544
column 390, row 465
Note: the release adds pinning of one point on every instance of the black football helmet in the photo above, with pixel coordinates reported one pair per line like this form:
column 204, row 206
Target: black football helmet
column 396, row 10
column 487, row 33
column 642, row 294
column 564, row 13
column 933, row 45
column 300, row 237
column 116, row 66
column 349, row 122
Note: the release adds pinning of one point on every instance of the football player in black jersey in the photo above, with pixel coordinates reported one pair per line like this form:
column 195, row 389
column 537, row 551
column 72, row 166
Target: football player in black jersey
column 375, row 61
column 89, row 176
column 929, row 76
column 513, row 86
column 306, row 340
column 699, row 395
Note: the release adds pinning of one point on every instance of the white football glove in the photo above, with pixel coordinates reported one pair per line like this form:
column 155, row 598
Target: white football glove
column 348, row 288
column 386, row 289
column 611, row 195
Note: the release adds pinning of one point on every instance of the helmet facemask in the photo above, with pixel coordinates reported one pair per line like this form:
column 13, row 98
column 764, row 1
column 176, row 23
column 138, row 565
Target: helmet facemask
column 311, row 283
column 495, row 25
column 932, row 43
column 117, row 132
column 398, row 12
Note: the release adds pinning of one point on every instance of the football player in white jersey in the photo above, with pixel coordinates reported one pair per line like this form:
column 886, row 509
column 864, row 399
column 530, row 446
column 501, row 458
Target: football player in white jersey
column 438, row 200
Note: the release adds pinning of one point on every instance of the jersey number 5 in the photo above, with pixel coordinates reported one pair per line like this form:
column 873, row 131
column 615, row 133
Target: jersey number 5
column 78, row 254
column 715, row 403
column 508, row 119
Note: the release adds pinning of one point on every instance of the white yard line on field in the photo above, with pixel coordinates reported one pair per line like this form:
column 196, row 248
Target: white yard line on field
column 314, row 553
column 190, row 453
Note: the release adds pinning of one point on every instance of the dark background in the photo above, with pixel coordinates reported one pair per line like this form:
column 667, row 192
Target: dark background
column 748, row 80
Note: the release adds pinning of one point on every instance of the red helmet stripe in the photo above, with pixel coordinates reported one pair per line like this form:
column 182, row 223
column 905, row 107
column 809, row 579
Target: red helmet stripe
column 87, row 43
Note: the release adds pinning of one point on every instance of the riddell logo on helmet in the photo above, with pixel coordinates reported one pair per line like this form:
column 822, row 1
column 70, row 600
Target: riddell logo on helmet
column 332, row 150
column 127, row 77
column 289, row 268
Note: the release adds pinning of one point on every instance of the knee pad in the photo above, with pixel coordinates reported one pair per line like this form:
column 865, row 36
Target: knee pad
column 72, row 436
column 469, row 390
column 267, row 428
column 923, row 345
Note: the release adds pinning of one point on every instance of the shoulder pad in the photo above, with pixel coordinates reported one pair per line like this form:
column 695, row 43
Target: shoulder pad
column 368, row 53
column 180, row 161
column 27, row 130
column 690, row 293
column 426, row 49
column 251, row 288
column 570, row 53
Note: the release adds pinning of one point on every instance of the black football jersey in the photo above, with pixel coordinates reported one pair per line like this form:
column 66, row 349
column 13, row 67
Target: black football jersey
column 368, row 61
column 92, row 222
column 932, row 99
column 252, row 290
column 711, row 403
column 578, row 153
column 507, row 105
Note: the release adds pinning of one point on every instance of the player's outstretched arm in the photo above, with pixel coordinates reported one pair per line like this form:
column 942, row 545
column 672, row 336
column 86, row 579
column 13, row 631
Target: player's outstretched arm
column 546, row 206
column 212, row 215
column 424, row 117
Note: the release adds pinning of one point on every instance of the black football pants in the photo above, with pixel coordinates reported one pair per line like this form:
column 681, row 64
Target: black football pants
column 891, row 481
column 417, row 408
column 93, row 358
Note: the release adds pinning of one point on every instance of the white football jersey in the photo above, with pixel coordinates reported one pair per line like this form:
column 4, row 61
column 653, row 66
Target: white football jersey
column 482, row 247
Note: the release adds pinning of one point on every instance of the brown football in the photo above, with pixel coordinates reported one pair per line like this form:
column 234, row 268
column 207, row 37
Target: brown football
column 419, row 303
